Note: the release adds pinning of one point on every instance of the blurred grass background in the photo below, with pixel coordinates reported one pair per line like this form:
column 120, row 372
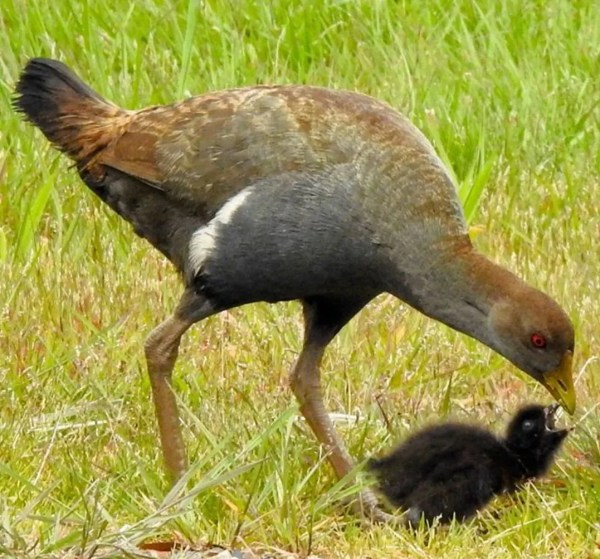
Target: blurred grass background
column 509, row 94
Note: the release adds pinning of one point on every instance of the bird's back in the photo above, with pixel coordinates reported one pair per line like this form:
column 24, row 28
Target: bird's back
column 169, row 169
column 207, row 148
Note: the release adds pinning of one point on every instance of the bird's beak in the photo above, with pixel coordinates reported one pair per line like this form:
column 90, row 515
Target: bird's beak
column 560, row 383
column 550, row 415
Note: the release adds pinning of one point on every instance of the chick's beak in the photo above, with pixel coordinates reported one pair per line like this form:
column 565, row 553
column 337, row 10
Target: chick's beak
column 550, row 416
column 559, row 383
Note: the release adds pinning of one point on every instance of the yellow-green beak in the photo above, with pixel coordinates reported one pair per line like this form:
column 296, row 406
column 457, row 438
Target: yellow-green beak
column 560, row 383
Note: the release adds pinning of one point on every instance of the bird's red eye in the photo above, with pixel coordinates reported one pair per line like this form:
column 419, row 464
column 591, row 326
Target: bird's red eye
column 538, row 340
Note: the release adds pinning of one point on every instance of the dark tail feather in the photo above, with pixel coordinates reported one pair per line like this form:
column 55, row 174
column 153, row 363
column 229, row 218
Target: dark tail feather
column 71, row 115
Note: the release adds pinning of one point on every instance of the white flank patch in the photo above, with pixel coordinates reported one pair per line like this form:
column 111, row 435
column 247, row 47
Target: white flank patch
column 204, row 240
column 201, row 245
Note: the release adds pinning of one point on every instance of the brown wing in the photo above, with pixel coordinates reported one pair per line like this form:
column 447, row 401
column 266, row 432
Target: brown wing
column 208, row 148
column 205, row 149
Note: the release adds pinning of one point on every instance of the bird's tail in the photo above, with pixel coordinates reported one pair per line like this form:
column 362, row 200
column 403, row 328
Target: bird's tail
column 71, row 115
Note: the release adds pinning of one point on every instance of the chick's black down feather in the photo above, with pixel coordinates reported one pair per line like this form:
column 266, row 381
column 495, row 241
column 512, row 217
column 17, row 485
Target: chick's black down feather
column 452, row 470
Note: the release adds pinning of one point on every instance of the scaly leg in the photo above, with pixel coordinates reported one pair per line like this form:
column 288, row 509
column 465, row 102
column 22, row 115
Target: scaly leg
column 161, row 349
column 323, row 320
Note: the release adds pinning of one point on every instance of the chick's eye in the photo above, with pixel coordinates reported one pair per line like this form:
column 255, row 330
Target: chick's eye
column 537, row 340
column 527, row 425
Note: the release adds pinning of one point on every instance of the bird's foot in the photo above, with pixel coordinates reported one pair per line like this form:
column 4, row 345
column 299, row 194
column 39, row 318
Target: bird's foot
column 367, row 506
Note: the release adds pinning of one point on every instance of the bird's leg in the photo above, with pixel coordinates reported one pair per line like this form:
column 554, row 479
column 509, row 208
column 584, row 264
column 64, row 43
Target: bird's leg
column 322, row 322
column 161, row 353
column 306, row 385
column 161, row 349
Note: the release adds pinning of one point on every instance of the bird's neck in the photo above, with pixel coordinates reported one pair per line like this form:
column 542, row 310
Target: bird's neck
column 458, row 286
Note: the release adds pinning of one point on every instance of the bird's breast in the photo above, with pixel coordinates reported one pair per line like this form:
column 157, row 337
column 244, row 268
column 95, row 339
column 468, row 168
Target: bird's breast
column 292, row 238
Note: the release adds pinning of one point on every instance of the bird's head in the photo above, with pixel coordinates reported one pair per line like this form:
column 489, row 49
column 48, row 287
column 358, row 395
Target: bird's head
column 535, row 334
column 533, row 436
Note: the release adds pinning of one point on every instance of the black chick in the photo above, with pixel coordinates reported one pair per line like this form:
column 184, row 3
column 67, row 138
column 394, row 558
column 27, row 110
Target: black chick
column 452, row 470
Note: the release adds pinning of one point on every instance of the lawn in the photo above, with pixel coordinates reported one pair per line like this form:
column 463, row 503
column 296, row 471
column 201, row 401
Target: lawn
column 509, row 94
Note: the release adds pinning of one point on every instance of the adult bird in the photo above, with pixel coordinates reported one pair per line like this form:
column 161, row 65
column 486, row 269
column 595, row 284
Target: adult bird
column 274, row 193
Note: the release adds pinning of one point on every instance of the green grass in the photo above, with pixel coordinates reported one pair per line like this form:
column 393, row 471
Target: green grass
column 509, row 94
